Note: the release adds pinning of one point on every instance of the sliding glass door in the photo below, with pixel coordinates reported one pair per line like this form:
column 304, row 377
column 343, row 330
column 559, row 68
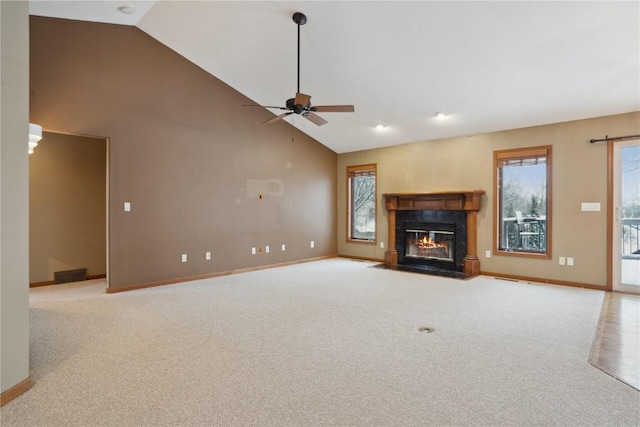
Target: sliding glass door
column 626, row 218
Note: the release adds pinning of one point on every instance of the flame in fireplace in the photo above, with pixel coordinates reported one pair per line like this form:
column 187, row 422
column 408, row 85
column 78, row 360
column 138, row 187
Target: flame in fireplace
column 429, row 243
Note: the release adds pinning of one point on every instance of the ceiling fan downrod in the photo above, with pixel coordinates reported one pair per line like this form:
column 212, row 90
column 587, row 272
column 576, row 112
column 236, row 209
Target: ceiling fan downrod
column 300, row 19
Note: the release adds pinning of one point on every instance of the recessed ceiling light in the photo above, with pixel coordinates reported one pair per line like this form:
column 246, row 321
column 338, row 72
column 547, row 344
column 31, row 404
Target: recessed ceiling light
column 127, row 10
column 440, row 115
column 380, row 127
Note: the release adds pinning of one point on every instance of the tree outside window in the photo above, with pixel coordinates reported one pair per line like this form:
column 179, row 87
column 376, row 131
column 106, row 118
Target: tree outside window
column 522, row 181
column 361, row 185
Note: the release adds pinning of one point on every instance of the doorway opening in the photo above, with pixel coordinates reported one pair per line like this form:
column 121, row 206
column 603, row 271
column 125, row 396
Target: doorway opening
column 624, row 216
column 68, row 207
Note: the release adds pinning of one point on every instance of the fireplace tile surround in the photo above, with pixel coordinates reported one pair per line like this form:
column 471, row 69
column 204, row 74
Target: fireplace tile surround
column 456, row 210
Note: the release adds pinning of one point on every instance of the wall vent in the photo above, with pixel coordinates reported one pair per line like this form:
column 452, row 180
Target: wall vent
column 70, row 276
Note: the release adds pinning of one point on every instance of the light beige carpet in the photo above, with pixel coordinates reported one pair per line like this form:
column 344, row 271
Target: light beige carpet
column 332, row 342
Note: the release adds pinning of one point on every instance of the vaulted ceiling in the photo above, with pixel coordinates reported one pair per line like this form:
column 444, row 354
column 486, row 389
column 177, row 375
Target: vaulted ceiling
column 487, row 65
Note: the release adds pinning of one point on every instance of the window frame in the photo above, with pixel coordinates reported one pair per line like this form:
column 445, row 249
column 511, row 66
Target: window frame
column 514, row 154
column 350, row 170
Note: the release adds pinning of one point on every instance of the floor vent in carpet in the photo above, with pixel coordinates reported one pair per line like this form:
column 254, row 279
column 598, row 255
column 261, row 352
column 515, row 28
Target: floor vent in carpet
column 506, row 279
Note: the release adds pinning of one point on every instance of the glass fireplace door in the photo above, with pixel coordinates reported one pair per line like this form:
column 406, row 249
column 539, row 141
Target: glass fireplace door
column 429, row 244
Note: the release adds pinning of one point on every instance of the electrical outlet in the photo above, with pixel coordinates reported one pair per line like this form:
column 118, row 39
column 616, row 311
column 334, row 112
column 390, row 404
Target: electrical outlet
column 381, row 245
column 561, row 260
column 266, row 249
column 313, row 244
column 283, row 247
column 590, row 207
column 127, row 206
column 487, row 254
column 570, row 261
column 253, row 251
column 184, row 257
column 207, row 256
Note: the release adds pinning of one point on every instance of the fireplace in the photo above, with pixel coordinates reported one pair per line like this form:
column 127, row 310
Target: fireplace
column 430, row 242
column 434, row 232
column 436, row 239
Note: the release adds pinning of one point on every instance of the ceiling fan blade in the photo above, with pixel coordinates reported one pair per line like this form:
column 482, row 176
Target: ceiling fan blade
column 302, row 99
column 333, row 108
column 314, row 118
column 277, row 118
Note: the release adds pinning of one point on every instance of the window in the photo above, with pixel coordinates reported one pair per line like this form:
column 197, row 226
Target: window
column 361, row 187
column 522, row 214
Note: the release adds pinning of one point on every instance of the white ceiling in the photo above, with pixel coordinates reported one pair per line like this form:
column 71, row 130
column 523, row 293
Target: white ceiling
column 489, row 65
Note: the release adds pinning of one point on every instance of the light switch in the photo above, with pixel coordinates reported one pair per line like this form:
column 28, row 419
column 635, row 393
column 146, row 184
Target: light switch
column 127, row 206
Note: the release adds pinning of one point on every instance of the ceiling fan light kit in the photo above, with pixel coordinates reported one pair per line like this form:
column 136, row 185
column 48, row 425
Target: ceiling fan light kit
column 301, row 104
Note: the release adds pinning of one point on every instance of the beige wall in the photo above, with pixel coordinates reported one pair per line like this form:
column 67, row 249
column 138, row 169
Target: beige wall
column 67, row 206
column 14, row 192
column 579, row 175
column 185, row 153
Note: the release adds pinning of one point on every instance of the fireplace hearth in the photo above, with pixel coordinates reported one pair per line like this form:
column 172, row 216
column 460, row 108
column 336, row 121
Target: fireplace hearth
column 434, row 233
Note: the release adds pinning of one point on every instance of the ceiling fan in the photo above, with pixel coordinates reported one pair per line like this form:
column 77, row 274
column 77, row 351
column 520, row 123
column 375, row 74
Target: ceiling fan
column 301, row 104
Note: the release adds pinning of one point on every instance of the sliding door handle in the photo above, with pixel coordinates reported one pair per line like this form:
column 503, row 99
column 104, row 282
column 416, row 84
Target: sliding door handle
column 618, row 213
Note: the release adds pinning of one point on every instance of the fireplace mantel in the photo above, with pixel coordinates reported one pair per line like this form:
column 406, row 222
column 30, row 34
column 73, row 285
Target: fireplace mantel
column 468, row 200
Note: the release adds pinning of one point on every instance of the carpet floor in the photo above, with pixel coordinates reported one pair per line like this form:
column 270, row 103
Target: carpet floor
column 331, row 342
